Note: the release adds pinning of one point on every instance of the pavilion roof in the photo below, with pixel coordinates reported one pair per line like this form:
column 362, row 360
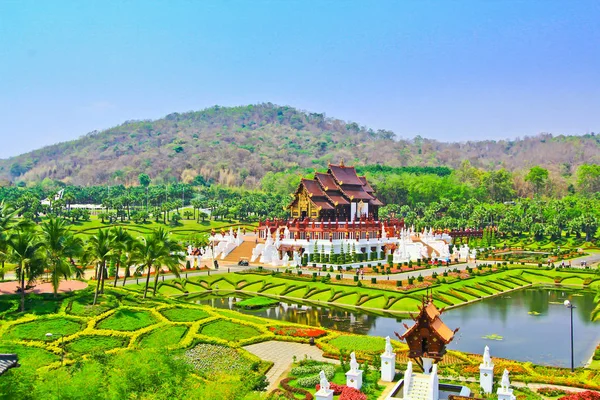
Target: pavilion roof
column 345, row 175
column 313, row 188
column 356, row 193
column 8, row 361
column 431, row 312
column 366, row 185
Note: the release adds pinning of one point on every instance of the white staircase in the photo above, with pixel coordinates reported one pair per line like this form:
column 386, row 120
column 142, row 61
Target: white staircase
column 419, row 387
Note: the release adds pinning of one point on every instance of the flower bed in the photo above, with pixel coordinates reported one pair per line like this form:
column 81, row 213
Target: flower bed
column 587, row 395
column 297, row 332
column 552, row 392
column 210, row 358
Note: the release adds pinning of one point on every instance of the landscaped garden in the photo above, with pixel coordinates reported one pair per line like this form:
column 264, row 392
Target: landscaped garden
column 449, row 289
column 209, row 341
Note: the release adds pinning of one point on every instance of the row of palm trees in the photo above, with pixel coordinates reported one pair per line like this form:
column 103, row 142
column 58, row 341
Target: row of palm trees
column 52, row 248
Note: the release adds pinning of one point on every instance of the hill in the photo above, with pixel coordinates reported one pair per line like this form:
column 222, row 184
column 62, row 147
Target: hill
column 239, row 145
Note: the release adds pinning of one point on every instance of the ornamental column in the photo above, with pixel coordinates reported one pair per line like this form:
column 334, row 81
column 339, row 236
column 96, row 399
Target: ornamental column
column 486, row 372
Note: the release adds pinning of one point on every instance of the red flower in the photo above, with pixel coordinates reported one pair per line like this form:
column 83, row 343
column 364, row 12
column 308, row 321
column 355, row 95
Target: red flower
column 587, row 395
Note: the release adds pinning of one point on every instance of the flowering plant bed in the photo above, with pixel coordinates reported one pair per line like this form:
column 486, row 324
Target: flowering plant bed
column 297, row 332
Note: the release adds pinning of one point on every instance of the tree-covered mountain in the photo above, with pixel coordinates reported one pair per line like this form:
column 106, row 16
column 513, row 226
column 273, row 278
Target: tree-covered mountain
column 237, row 146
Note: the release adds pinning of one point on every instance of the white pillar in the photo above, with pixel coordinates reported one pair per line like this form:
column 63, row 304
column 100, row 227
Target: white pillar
column 427, row 364
column 354, row 379
column 434, row 384
column 388, row 367
column 324, row 394
column 407, row 380
column 486, row 372
column 504, row 391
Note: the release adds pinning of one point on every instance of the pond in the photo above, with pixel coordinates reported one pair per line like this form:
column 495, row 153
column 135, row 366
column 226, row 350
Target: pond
column 542, row 338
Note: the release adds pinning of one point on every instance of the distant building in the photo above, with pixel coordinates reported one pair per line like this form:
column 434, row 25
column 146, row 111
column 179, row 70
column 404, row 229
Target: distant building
column 339, row 194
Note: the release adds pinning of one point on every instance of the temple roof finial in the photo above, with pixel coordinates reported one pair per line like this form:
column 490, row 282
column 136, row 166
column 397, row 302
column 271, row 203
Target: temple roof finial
column 342, row 163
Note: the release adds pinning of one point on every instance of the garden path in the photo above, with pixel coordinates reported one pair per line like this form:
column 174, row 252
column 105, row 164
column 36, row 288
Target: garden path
column 64, row 286
column 281, row 354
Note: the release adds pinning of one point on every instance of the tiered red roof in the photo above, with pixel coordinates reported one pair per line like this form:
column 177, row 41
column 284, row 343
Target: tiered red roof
column 338, row 187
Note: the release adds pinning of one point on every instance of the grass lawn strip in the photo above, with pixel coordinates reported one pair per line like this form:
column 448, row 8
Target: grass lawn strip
column 164, row 337
column 95, row 343
column 37, row 329
column 230, row 331
column 180, row 314
column 127, row 320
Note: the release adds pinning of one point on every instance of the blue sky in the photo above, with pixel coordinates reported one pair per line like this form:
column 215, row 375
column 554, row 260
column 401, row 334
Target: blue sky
column 452, row 70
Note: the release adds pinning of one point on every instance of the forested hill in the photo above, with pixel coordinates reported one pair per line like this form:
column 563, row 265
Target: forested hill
column 239, row 145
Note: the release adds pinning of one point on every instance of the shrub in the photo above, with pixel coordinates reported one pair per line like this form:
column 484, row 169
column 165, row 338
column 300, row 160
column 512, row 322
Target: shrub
column 297, row 332
column 311, row 381
column 398, row 283
column 373, row 280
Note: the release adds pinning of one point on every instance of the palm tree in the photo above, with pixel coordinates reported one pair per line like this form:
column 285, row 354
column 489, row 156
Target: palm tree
column 129, row 257
column 99, row 250
column 121, row 238
column 157, row 251
column 25, row 250
column 60, row 245
column 8, row 221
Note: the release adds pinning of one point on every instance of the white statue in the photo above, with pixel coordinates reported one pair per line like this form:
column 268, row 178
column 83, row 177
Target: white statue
column 389, row 350
column 353, row 363
column 324, row 383
column 505, row 382
column 487, row 360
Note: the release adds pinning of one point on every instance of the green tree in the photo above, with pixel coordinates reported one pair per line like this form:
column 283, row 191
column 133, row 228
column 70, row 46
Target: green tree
column 121, row 239
column 25, row 250
column 60, row 246
column 538, row 177
column 157, row 251
column 144, row 180
column 8, row 222
column 98, row 251
column 588, row 178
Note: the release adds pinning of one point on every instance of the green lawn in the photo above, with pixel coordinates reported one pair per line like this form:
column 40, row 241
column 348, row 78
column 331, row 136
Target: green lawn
column 456, row 292
column 256, row 302
column 229, row 330
column 181, row 231
column 163, row 337
column 184, row 314
column 127, row 320
column 29, row 356
column 359, row 343
column 36, row 330
column 96, row 343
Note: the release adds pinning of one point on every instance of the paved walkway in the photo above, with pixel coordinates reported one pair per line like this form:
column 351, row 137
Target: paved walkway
column 64, row 286
column 281, row 354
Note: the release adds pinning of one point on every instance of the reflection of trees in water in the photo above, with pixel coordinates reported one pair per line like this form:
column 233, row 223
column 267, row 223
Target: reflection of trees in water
column 537, row 299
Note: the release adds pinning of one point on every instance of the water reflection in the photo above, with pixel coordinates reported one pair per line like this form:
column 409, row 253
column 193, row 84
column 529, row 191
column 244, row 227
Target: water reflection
column 543, row 338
